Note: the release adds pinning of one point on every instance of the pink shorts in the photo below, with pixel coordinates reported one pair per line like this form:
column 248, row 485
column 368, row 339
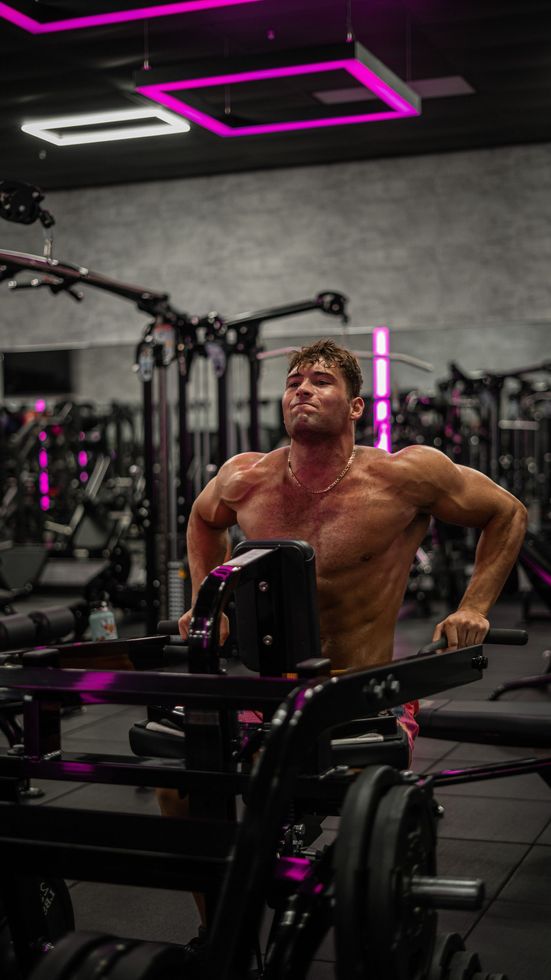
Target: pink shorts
column 405, row 716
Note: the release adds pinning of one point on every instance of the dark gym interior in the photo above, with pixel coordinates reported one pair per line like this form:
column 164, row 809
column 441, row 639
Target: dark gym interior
column 192, row 192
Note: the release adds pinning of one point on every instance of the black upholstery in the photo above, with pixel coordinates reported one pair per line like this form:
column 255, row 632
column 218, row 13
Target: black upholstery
column 502, row 723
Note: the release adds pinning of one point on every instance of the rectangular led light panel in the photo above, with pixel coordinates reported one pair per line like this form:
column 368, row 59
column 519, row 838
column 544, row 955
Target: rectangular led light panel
column 99, row 127
column 14, row 16
column 361, row 66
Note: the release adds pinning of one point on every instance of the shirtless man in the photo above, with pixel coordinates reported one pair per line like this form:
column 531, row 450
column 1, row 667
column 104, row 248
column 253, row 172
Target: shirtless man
column 364, row 511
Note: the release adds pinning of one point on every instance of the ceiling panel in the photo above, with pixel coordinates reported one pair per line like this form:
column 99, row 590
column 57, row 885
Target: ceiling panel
column 501, row 49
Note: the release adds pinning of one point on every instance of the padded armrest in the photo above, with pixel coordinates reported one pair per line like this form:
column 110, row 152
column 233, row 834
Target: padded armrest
column 496, row 722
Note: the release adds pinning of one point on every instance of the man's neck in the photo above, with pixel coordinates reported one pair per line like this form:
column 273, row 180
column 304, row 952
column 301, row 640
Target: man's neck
column 323, row 457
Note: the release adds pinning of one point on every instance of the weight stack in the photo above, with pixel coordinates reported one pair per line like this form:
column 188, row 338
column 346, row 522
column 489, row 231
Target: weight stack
column 176, row 579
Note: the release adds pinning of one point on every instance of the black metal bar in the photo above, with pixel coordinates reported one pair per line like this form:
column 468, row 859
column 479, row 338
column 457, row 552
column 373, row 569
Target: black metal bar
column 494, row 770
column 370, row 691
column 149, row 505
column 254, row 403
column 223, row 418
column 149, row 687
column 190, row 872
column 146, row 299
column 185, row 486
column 163, row 488
column 121, row 771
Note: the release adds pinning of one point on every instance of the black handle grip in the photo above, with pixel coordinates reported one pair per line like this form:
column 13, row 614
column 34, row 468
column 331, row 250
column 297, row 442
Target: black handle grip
column 168, row 627
column 517, row 638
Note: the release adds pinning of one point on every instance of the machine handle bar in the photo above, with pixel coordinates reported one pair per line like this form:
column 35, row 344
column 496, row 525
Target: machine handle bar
column 517, row 638
column 168, row 627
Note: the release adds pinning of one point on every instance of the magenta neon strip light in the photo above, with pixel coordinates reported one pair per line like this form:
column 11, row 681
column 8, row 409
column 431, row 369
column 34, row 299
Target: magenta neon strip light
column 381, row 389
column 43, row 478
column 114, row 17
column 399, row 107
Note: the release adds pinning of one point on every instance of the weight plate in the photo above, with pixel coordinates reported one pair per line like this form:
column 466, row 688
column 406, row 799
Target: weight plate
column 358, row 814
column 9, row 969
column 99, row 960
column 62, row 962
column 47, row 911
column 400, row 935
column 151, row 961
column 447, row 943
column 463, row 966
column 57, row 908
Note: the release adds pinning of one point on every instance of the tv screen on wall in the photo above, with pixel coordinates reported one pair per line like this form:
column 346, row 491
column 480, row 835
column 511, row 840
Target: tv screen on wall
column 36, row 373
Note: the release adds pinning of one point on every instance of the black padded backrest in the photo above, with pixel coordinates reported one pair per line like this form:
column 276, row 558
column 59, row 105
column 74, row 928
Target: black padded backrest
column 287, row 611
column 20, row 565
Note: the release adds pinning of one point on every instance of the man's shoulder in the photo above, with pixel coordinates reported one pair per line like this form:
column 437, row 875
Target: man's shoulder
column 243, row 472
column 412, row 464
column 245, row 462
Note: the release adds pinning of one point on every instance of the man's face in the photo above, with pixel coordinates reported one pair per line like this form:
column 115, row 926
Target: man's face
column 316, row 402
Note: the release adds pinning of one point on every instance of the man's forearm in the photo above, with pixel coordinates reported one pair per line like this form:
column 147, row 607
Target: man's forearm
column 207, row 547
column 496, row 554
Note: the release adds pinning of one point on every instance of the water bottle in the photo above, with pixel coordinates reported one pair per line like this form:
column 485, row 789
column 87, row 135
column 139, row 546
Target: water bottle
column 102, row 621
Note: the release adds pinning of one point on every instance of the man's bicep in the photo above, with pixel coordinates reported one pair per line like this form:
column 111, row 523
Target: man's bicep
column 469, row 499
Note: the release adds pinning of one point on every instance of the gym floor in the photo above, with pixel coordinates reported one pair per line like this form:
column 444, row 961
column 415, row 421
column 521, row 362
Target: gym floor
column 498, row 830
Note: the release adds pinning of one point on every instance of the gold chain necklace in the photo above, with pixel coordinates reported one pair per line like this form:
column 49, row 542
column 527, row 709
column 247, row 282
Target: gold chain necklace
column 331, row 485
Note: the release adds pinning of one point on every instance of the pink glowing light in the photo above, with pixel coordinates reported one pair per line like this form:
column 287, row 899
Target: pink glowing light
column 381, row 411
column 399, row 106
column 43, row 482
column 540, row 572
column 114, row 17
column 40, row 405
column 83, row 477
column 95, row 680
column 43, row 459
column 77, row 767
column 381, row 389
column 42, row 436
column 44, row 503
column 82, row 458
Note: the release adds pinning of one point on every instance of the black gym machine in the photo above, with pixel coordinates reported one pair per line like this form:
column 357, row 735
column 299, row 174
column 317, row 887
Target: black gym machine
column 172, row 338
column 378, row 884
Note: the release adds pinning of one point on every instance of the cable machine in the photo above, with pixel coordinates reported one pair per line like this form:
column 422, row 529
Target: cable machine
column 172, row 337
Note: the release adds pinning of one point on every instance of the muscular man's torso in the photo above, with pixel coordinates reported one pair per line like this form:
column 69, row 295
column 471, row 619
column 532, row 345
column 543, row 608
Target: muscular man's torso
column 364, row 532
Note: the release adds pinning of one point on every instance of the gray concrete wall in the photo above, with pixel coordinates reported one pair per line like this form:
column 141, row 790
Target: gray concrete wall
column 452, row 251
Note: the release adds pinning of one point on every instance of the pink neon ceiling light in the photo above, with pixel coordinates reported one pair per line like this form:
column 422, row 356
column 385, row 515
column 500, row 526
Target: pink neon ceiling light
column 8, row 12
column 362, row 67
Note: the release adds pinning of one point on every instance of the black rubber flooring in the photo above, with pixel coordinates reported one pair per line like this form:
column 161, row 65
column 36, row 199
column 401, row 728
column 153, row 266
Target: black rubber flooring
column 498, row 830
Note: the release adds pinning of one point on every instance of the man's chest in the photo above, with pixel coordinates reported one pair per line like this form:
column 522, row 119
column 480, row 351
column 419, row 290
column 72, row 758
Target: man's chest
column 344, row 526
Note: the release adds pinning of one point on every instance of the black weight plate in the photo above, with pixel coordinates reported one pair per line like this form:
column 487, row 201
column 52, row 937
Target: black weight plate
column 62, row 962
column 151, row 961
column 99, row 961
column 57, row 908
column 8, row 963
column 463, row 966
column 447, row 943
column 360, row 807
column 400, row 935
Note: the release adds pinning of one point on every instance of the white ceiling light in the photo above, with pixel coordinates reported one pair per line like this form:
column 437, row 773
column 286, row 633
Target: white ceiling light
column 87, row 127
